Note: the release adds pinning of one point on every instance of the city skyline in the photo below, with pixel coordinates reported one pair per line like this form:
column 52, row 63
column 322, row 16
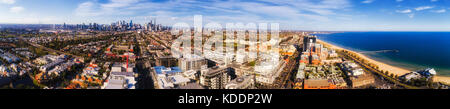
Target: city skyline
column 323, row 15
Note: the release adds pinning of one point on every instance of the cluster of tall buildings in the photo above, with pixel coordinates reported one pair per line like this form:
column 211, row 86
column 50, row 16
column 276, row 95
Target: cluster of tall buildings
column 123, row 26
column 116, row 26
column 315, row 70
column 83, row 26
column 153, row 26
column 313, row 52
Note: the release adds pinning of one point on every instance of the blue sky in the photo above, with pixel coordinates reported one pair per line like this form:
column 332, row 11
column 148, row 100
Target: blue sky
column 320, row 15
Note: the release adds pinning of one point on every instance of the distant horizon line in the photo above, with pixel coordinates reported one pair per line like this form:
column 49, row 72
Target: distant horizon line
column 280, row 29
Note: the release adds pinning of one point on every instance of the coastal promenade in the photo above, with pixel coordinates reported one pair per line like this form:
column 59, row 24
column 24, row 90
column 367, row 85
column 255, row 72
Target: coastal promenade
column 374, row 70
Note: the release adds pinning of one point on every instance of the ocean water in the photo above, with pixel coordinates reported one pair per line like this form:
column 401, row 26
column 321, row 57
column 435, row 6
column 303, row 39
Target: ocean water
column 409, row 50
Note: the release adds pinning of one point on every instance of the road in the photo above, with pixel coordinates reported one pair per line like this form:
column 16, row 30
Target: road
column 146, row 75
column 288, row 70
column 381, row 73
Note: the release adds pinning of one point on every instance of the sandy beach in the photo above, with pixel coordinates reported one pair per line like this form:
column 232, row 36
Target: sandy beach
column 385, row 67
column 442, row 79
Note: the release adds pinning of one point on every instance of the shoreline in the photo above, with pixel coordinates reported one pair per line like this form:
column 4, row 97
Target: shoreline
column 386, row 67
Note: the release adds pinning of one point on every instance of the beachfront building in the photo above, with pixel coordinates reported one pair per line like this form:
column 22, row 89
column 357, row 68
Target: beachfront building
column 427, row 73
column 409, row 76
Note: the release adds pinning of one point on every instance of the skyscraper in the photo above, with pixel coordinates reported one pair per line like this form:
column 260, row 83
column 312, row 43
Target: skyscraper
column 64, row 26
column 308, row 42
column 131, row 23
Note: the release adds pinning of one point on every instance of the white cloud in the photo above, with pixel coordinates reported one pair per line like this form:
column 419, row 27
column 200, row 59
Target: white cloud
column 119, row 3
column 16, row 9
column 367, row 1
column 323, row 7
column 408, row 12
column 8, row 1
column 114, row 7
column 304, row 14
column 404, row 11
column 423, row 8
column 281, row 9
column 86, row 9
column 439, row 11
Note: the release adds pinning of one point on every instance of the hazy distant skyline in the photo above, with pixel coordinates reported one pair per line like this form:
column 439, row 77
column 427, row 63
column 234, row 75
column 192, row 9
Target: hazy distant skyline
column 318, row 15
